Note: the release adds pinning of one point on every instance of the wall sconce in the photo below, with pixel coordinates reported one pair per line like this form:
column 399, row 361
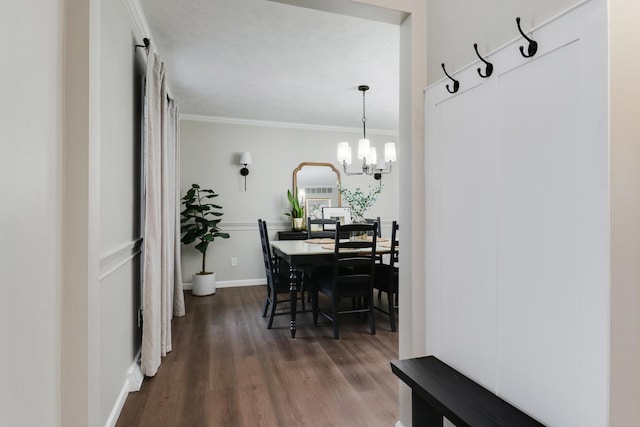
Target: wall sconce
column 245, row 159
column 370, row 163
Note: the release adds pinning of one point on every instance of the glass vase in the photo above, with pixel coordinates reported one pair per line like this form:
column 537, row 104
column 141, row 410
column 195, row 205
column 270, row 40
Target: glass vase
column 358, row 235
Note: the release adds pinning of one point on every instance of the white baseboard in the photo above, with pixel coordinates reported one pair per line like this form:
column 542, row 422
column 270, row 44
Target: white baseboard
column 230, row 283
column 134, row 375
column 117, row 408
column 132, row 383
column 399, row 424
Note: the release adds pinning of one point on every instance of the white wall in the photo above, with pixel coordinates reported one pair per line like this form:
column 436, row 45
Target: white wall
column 120, row 164
column 519, row 232
column 454, row 26
column 209, row 156
column 60, row 328
column 30, row 167
column 98, row 223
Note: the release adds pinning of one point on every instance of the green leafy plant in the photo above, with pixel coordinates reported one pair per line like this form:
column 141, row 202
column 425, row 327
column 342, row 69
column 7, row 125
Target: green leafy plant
column 199, row 221
column 295, row 210
column 358, row 201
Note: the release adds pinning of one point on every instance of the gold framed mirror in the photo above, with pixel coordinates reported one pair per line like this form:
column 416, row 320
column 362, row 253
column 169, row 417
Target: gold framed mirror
column 316, row 185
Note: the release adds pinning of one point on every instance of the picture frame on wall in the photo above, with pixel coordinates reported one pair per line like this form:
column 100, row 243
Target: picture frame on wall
column 342, row 215
column 314, row 206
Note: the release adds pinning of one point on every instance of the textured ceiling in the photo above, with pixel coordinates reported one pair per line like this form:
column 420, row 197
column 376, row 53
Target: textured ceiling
column 263, row 60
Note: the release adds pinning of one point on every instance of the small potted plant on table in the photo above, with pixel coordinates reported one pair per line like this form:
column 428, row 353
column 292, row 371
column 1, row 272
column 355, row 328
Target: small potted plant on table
column 359, row 203
column 200, row 219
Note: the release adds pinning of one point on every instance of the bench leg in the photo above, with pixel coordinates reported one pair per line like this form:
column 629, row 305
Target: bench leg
column 423, row 414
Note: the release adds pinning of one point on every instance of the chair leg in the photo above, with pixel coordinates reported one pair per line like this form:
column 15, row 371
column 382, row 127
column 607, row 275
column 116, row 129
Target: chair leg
column 272, row 314
column 392, row 311
column 266, row 306
column 334, row 315
column 314, row 305
column 372, row 314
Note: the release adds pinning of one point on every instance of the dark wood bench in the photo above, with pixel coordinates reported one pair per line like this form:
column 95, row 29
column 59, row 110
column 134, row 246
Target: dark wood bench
column 439, row 390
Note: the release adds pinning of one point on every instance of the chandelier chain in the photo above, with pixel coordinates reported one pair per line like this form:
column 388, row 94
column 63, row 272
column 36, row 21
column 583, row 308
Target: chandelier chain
column 364, row 117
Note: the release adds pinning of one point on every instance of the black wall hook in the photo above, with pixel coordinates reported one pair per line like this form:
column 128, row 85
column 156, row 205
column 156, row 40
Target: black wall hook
column 533, row 45
column 456, row 84
column 489, row 69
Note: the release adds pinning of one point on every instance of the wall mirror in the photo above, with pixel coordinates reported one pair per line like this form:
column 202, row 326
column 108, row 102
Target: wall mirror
column 316, row 184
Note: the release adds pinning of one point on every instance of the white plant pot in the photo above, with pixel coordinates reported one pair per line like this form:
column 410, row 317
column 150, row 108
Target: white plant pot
column 297, row 224
column 203, row 284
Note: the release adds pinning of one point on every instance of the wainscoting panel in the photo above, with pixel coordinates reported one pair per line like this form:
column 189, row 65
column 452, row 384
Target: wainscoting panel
column 517, row 221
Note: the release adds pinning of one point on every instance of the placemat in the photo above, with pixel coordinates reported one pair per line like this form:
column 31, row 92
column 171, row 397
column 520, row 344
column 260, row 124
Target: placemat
column 320, row 241
column 332, row 247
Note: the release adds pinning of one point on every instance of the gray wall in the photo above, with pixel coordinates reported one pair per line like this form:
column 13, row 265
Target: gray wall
column 624, row 87
column 210, row 152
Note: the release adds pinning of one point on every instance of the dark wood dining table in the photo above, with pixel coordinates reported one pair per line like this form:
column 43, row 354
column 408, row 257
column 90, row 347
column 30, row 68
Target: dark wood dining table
column 299, row 254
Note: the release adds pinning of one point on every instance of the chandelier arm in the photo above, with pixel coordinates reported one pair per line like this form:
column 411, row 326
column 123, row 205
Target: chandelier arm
column 344, row 167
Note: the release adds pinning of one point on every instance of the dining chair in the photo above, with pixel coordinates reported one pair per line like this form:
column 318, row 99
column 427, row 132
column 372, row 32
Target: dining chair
column 377, row 232
column 350, row 275
column 278, row 278
column 376, row 221
column 386, row 278
column 321, row 230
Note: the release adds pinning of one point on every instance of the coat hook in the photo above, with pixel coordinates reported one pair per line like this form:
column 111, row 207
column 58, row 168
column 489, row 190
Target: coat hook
column 456, row 84
column 489, row 68
column 533, row 45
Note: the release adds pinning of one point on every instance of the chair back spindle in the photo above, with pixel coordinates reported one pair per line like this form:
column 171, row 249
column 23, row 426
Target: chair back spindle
column 317, row 228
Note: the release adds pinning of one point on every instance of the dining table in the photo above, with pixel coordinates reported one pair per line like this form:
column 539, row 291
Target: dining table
column 303, row 254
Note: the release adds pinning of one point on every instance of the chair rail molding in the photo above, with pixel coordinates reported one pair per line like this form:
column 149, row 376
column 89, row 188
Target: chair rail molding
column 112, row 261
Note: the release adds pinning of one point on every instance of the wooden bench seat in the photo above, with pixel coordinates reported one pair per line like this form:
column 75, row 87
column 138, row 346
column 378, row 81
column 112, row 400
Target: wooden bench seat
column 439, row 390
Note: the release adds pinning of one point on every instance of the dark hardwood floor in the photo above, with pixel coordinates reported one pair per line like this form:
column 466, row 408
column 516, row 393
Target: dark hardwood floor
column 227, row 369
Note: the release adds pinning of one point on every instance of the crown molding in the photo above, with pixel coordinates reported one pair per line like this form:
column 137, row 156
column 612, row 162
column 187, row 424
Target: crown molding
column 265, row 123
column 140, row 24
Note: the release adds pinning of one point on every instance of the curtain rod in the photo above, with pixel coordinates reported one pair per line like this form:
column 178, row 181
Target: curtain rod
column 147, row 43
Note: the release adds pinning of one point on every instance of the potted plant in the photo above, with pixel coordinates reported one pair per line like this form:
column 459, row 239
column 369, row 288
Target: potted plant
column 296, row 212
column 200, row 219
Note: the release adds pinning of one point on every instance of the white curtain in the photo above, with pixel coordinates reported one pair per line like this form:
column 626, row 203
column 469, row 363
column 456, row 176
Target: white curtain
column 162, row 294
